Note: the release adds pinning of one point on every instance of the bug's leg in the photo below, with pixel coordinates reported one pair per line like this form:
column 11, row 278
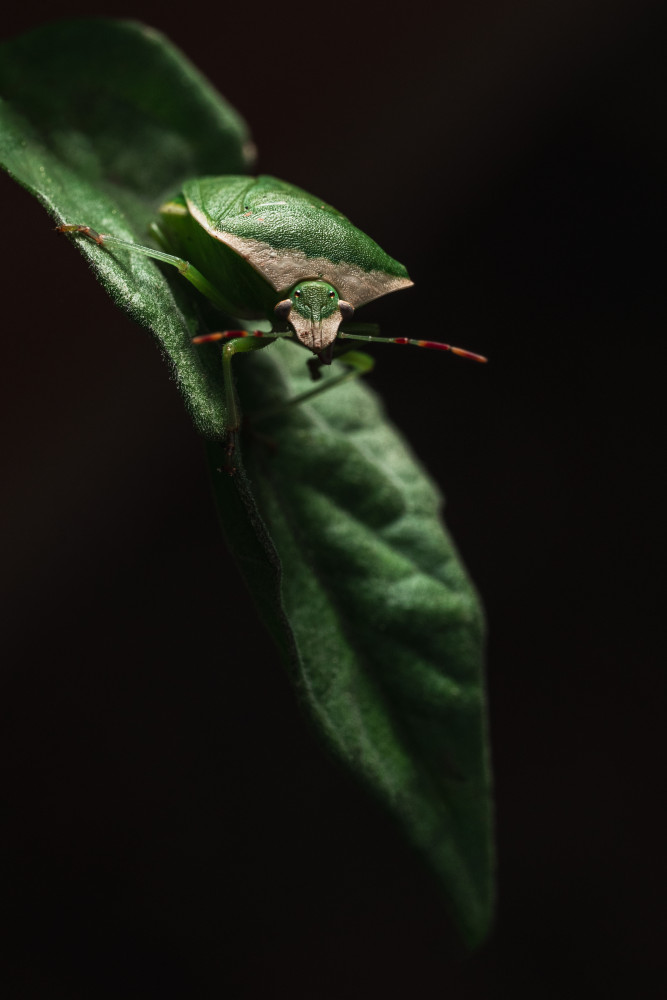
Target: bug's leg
column 357, row 363
column 184, row 267
column 237, row 341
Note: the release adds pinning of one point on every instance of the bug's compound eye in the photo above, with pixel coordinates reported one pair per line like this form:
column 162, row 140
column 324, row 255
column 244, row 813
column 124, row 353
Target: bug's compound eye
column 332, row 295
column 297, row 294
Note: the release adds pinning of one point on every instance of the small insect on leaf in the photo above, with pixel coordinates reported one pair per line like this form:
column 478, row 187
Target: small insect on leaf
column 260, row 248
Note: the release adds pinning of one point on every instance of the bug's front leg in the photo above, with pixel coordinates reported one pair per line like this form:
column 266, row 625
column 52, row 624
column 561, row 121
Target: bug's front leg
column 233, row 408
column 237, row 341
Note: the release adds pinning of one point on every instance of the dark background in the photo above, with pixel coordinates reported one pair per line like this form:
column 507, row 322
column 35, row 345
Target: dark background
column 171, row 828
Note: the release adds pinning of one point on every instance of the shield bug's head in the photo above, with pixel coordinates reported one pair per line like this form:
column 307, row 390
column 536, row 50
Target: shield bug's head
column 314, row 310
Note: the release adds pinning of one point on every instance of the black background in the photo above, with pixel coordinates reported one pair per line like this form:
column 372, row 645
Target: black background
column 171, row 827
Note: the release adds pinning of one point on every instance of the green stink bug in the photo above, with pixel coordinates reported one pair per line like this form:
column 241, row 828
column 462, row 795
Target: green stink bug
column 260, row 248
column 277, row 251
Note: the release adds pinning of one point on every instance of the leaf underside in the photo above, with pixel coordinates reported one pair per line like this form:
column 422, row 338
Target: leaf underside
column 332, row 521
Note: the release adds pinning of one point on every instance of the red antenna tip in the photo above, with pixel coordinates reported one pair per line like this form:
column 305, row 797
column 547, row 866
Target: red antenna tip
column 468, row 354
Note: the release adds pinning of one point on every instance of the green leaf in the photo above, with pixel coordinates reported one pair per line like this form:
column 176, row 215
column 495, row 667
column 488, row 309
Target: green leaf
column 102, row 121
column 332, row 521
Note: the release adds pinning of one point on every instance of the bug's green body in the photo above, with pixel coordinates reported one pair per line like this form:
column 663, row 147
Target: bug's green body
column 262, row 248
column 256, row 239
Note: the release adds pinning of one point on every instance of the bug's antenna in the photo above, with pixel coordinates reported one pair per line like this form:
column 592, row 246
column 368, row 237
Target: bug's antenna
column 209, row 338
column 433, row 345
